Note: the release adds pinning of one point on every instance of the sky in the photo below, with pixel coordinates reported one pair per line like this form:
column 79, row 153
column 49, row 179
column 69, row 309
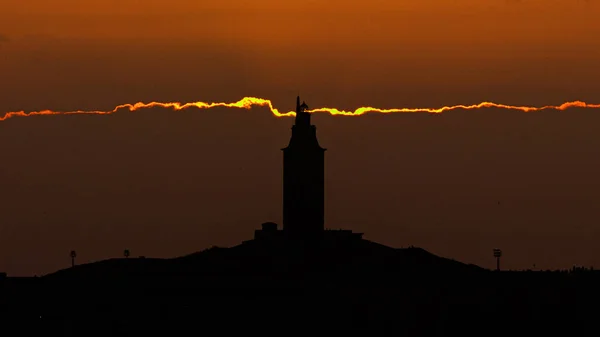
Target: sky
column 163, row 183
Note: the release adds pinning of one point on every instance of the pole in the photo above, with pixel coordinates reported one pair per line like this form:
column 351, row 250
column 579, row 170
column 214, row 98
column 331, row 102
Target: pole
column 73, row 255
column 497, row 255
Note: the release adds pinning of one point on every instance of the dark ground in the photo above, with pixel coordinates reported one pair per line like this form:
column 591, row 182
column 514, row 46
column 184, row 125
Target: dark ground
column 281, row 290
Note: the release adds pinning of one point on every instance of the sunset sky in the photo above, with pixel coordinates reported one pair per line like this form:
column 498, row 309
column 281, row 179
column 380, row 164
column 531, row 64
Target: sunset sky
column 163, row 183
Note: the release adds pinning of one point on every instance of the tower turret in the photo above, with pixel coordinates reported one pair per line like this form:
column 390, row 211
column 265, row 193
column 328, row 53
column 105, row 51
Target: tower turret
column 302, row 117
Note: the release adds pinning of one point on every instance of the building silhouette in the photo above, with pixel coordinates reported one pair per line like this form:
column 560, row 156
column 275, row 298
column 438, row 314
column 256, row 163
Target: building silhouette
column 303, row 186
column 303, row 178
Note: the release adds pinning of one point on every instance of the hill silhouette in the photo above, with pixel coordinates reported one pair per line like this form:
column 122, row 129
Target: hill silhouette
column 256, row 259
column 282, row 288
column 275, row 278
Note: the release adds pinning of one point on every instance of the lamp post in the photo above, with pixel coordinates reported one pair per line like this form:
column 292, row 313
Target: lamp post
column 73, row 256
column 497, row 255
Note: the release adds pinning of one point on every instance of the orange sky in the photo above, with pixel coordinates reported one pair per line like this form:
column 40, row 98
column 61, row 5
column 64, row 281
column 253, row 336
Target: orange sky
column 99, row 184
column 269, row 23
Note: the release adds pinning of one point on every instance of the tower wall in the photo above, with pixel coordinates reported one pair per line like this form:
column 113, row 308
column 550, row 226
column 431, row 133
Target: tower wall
column 304, row 190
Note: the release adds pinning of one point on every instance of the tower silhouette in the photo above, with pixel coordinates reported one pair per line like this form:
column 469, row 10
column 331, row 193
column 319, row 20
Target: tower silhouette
column 303, row 179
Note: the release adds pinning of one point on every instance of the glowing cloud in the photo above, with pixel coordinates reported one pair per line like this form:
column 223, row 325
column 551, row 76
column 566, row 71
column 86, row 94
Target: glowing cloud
column 249, row 102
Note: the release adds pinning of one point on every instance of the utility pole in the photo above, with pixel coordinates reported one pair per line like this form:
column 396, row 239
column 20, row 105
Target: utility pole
column 73, row 256
column 497, row 255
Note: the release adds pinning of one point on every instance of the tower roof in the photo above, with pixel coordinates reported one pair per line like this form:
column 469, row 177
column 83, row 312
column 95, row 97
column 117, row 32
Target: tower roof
column 303, row 133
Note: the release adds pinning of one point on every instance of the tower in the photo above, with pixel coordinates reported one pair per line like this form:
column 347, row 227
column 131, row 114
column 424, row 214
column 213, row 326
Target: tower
column 303, row 179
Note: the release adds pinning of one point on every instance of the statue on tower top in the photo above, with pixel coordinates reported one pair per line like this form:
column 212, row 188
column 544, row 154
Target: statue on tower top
column 302, row 117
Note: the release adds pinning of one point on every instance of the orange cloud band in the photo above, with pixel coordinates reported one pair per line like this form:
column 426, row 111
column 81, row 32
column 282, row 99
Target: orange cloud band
column 249, row 102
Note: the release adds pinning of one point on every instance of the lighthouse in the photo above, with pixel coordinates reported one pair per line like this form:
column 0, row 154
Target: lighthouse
column 303, row 190
column 303, row 179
